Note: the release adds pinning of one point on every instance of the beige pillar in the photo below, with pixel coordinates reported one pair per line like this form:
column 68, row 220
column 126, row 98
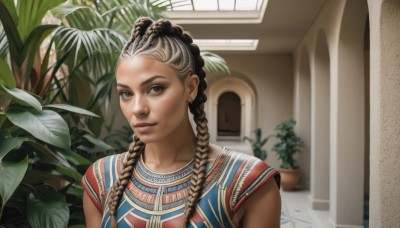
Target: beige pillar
column 347, row 119
column 385, row 117
column 302, row 113
column 320, row 102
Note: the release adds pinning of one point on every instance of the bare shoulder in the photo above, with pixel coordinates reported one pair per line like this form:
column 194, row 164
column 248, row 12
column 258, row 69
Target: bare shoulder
column 263, row 208
column 93, row 216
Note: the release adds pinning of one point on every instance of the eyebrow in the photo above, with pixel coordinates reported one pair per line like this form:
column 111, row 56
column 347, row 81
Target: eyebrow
column 145, row 82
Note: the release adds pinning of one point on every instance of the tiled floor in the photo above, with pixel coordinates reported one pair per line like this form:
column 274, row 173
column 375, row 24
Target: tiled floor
column 297, row 213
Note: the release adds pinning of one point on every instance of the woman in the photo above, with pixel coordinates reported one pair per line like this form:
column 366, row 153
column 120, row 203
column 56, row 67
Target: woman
column 171, row 177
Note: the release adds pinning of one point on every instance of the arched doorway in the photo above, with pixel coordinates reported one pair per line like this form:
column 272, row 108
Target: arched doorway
column 229, row 116
column 241, row 93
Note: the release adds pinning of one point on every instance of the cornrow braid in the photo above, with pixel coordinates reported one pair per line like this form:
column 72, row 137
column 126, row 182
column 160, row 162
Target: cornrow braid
column 169, row 44
column 139, row 29
column 197, row 109
column 134, row 152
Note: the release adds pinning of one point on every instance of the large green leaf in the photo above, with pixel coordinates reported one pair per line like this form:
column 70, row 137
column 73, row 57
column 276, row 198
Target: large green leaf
column 46, row 154
column 32, row 46
column 14, row 40
column 72, row 109
column 47, row 126
column 48, row 209
column 22, row 97
column 31, row 13
column 20, row 195
column 6, row 76
column 67, row 173
column 76, row 158
column 97, row 142
column 10, row 6
column 11, row 174
column 6, row 145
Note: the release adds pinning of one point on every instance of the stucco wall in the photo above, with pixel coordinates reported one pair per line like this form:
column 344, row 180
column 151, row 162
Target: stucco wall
column 385, row 118
column 271, row 78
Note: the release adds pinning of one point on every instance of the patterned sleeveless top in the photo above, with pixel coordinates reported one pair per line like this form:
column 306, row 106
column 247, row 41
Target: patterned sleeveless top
column 157, row 199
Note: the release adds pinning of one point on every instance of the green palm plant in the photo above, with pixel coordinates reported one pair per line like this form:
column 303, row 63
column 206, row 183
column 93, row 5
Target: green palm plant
column 288, row 145
column 40, row 148
column 257, row 144
column 45, row 144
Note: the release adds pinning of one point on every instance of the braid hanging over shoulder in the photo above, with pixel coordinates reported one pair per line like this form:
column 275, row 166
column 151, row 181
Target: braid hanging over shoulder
column 134, row 152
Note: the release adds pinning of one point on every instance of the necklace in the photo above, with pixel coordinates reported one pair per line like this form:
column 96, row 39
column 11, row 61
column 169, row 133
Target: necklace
column 152, row 177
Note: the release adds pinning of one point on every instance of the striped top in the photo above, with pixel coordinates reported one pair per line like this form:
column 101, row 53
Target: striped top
column 158, row 199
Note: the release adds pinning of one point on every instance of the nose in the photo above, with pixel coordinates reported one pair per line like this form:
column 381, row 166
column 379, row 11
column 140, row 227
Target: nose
column 140, row 107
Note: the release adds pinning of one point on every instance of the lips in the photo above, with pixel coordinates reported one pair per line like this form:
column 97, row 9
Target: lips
column 144, row 124
column 143, row 127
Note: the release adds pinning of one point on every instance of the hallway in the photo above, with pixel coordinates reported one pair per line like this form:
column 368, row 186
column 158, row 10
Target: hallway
column 297, row 212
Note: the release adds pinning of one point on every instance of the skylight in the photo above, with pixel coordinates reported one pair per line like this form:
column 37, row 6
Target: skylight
column 216, row 11
column 227, row 44
column 216, row 5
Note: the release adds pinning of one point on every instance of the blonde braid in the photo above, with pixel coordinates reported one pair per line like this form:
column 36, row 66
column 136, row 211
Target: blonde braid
column 197, row 109
column 134, row 152
column 199, row 170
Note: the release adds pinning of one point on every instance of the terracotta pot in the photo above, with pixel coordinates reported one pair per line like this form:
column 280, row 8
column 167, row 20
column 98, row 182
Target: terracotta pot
column 289, row 178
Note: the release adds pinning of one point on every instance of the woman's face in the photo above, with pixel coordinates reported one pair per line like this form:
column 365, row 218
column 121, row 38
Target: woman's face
column 152, row 98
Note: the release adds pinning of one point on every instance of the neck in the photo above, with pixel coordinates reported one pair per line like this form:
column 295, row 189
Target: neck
column 172, row 153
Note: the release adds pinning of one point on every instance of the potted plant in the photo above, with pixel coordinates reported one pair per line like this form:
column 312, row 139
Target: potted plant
column 257, row 144
column 289, row 144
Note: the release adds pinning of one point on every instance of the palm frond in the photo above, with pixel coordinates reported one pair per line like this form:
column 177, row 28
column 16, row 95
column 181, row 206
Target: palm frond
column 68, row 8
column 31, row 13
column 214, row 63
column 90, row 43
column 121, row 14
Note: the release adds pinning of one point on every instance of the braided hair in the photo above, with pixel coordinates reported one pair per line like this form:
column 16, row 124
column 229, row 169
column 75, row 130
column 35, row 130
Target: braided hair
column 169, row 44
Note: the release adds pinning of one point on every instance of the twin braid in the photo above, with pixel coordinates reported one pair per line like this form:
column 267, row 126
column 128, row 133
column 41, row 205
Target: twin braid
column 197, row 109
column 145, row 31
column 134, row 152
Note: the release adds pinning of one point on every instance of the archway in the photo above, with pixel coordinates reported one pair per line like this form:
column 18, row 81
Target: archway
column 247, row 106
column 229, row 116
column 347, row 127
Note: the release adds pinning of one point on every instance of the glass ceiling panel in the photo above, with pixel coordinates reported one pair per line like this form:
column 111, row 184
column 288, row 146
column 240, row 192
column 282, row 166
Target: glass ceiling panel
column 210, row 5
column 246, row 4
column 226, row 44
column 216, row 5
column 226, row 5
